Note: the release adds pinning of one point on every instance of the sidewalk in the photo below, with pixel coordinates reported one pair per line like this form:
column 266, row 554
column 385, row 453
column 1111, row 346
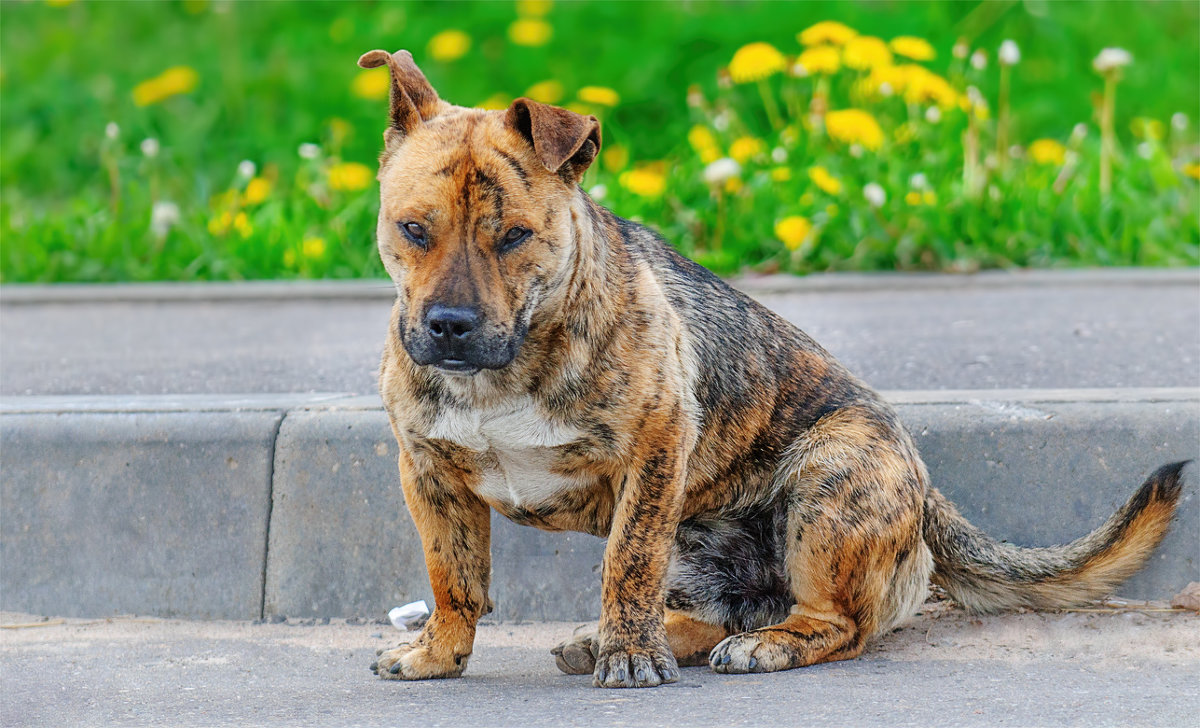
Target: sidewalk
column 1130, row 668
column 235, row 430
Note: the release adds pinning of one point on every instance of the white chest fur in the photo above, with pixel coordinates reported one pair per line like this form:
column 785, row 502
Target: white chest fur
column 516, row 442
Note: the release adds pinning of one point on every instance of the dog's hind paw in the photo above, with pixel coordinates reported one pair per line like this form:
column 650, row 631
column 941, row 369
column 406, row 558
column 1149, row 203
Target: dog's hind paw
column 577, row 656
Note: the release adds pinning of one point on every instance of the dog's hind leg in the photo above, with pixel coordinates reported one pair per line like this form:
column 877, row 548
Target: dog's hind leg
column 854, row 555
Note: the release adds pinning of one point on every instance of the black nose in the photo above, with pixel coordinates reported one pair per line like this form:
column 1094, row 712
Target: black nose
column 451, row 323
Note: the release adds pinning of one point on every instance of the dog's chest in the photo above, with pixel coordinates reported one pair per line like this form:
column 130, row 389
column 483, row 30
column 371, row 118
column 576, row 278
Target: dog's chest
column 517, row 445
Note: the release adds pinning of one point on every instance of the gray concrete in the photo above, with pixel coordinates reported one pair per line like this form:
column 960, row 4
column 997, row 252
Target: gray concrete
column 1033, row 330
column 180, row 531
column 153, row 512
column 945, row 669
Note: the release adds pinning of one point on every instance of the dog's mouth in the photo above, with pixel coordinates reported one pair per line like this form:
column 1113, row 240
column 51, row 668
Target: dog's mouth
column 460, row 367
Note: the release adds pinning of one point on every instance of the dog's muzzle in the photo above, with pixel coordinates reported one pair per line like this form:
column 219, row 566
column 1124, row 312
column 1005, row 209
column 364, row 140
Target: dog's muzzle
column 456, row 339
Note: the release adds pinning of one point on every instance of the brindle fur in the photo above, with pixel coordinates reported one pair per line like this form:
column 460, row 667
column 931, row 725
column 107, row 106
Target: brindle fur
column 764, row 508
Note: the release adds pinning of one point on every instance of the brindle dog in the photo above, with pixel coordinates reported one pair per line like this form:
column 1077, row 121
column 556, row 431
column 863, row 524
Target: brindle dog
column 764, row 509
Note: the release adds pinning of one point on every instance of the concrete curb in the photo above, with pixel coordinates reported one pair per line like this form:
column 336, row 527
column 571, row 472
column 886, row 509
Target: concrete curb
column 259, row 505
column 382, row 289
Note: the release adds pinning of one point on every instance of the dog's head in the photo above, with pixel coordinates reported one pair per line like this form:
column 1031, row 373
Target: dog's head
column 475, row 222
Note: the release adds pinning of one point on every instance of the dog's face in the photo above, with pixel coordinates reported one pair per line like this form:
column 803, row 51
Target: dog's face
column 475, row 221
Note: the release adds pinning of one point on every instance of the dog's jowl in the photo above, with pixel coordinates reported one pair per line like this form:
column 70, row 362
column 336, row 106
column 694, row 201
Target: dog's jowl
column 764, row 509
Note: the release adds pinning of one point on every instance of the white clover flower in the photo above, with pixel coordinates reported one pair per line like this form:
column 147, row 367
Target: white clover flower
column 598, row 192
column 933, row 114
column 918, row 181
column 778, row 155
column 979, row 60
column 163, row 216
column 874, row 194
column 961, row 49
column 1079, row 132
column 149, row 147
column 721, row 170
column 1179, row 121
column 1009, row 54
column 111, row 130
column 1112, row 59
column 246, row 169
column 308, row 150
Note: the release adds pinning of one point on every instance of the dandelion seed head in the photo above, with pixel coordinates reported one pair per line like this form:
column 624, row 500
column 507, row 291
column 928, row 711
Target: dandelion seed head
column 1145, row 150
column 1009, row 53
column 779, row 155
column 1112, row 59
column 918, row 181
column 246, row 169
column 308, row 150
column 149, row 147
column 979, row 60
column 598, row 192
column 721, row 170
column 111, row 130
column 874, row 194
column 163, row 216
column 933, row 114
column 1179, row 121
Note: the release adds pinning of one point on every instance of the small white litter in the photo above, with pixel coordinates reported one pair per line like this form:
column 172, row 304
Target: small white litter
column 410, row 616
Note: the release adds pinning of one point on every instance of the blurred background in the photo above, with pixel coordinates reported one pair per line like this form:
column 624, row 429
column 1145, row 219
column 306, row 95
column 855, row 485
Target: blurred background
column 203, row 140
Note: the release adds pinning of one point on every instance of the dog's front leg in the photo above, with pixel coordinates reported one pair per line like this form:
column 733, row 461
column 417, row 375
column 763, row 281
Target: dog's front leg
column 633, row 647
column 455, row 531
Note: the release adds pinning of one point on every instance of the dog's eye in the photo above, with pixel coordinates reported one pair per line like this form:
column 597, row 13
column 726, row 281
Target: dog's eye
column 414, row 232
column 514, row 237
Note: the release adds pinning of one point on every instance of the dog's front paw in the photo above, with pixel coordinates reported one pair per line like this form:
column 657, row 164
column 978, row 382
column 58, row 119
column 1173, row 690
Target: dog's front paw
column 633, row 667
column 418, row 662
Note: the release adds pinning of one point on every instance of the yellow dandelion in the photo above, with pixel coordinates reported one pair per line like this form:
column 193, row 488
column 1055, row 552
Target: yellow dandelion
column 533, row 8
column 289, row 258
column 754, row 62
column 1144, row 128
column 241, row 223
column 930, row 197
column 827, row 31
column 905, row 133
column 827, row 182
column 820, row 59
column 313, row 247
column 547, row 92
column 913, row 198
column 59, row 3
column 743, row 148
column 530, row 32
column 923, row 86
column 734, row 185
column 890, row 79
column 854, row 126
column 599, row 95
column 339, row 129
column 913, row 47
column 781, row 174
column 349, row 176
column 256, row 191
column 866, row 52
column 171, row 82
column 372, row 83
column 793, row 230
column 1192, row 170
column 581, row 108
column 645, row 180
column 705, row 143
column 219, row 225
column 615, row 157
column 807, row 199
column 1047, row 151
column 495, row 102
column 449, row 45
column 832, row 210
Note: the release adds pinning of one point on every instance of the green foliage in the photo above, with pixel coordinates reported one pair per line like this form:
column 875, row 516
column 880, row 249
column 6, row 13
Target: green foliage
column 77, row 205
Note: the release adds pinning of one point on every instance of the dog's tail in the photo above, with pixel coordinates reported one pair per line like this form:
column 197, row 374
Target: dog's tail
column 985, row 575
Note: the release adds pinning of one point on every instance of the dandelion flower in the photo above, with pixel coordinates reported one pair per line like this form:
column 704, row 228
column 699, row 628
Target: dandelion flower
column 705, row 143
column 820, row 59
column 721, row 170
column 530, row 32
column 918, row 181
column 599, row 95
column 866, row 52
column 1047, row 151
column 826, row 32
column 1192, row 170
column 163, row 216
column 349, row 176
column 1112, row 59
column 913, row 198
column 874, row 194
column 246, row 169
column 241, row 223
column 547, row 92
column 781, row 174
column 256, row 191
column 979, row 60
column 615, row 157
column 308, row 150
column 371, row 84
column 827, row 182
column 313, row 247
column 533, row 8
column 755, row 61
column 793, row 230
column 923, row 86
column 743, row 148
column 171, row 82
column 1144, row 128
column 149, row 147
column 645, row 180
column 449, row 45
column 930, row 197
column 913, row 47
column 779, row 155
column 854, row 126
column 495, row 102
column 1009, row 53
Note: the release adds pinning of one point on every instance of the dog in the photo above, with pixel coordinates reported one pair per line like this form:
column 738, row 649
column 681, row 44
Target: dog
column 764, row 509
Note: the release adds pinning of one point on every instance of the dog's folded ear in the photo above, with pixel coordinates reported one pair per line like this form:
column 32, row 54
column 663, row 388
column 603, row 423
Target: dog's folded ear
column 413, row 100
column 565, row 142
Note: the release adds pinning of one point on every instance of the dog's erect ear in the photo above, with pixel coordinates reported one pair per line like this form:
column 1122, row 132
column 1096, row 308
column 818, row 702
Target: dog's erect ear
column 565, row 142
column 413, row 100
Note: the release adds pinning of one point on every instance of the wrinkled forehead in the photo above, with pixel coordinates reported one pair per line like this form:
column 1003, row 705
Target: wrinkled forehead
column 461, row 148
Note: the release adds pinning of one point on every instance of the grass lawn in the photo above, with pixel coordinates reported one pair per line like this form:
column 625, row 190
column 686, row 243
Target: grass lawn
column 236, row 140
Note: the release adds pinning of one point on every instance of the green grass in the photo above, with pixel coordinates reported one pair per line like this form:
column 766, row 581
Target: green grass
column 76, row 206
